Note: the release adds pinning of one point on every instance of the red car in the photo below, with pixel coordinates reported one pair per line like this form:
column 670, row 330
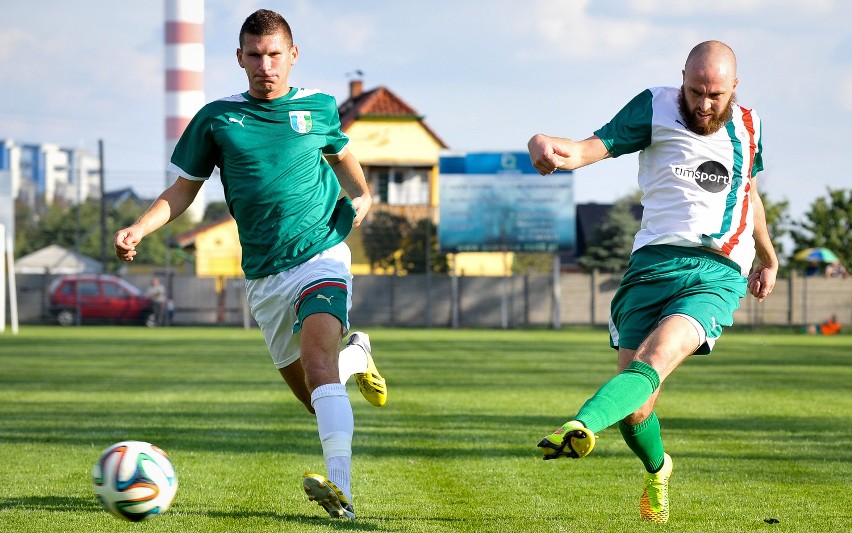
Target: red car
column 99, row 298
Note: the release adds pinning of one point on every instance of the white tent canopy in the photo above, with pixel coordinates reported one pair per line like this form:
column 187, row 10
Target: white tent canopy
column 55, row 259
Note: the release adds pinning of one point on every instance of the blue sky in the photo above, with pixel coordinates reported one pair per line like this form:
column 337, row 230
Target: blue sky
column 487, row 75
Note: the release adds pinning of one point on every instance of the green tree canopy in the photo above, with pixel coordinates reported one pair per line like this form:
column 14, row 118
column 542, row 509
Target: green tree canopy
column 827, row 225
column 383, row 237
column 609, row 250
column 413, row 257
column 70, row 226
column 215, row 211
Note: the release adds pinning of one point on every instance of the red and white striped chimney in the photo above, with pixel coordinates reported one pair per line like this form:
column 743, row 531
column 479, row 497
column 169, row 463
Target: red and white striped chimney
column 184, row 75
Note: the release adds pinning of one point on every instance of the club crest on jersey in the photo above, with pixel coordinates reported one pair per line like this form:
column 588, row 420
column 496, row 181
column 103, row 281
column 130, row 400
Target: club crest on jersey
column 301, row 121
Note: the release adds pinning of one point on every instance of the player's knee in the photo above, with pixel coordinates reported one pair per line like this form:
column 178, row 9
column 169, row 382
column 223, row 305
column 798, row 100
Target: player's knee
column 639, row 416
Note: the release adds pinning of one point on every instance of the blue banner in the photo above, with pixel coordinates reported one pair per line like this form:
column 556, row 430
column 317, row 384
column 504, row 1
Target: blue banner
column 492, row 202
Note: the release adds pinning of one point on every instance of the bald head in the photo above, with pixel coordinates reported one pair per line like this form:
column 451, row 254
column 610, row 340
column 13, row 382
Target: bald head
column 712, row 58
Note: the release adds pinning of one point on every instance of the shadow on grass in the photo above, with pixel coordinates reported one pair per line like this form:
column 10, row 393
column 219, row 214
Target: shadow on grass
column 391, row 433
column 295, row 519
column 52, row 503
column 91, row 505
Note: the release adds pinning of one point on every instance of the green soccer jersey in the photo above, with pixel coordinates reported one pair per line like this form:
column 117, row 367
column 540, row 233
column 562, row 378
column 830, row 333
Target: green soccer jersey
column 279, row 189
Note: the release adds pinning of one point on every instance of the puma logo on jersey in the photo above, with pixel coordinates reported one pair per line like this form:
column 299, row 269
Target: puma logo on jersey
column 326, row 298
column 240, row 121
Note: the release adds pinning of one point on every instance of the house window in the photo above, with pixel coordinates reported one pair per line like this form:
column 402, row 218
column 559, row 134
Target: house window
column 400, row 186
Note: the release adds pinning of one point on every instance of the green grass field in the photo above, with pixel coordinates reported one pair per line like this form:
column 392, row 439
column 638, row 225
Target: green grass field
column 760, row 430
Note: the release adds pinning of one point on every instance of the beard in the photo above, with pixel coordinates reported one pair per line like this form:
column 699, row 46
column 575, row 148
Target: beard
column 704, row 128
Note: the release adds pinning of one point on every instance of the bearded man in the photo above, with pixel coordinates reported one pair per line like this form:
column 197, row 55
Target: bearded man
column 693, row 258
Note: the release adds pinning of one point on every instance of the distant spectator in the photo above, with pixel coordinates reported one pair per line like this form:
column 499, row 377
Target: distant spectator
column 836, row 270
column 829, row 327
column 157, row 293
column 814, row 268
column 170, row 312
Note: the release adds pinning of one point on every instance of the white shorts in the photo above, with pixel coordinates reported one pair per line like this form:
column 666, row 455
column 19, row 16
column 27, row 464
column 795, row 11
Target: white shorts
column 280, row 302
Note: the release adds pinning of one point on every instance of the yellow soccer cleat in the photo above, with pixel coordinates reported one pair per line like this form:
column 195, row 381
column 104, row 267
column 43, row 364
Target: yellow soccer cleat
column 328, row 496
column 574, row 436
column 371, row 384
column 654, row 503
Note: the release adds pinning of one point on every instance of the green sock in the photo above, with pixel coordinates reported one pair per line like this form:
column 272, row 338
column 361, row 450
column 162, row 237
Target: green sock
column 619, row 397
column 646, row 441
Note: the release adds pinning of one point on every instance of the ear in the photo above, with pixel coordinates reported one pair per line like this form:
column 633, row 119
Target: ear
column 240, row 57
column 294, row 55
column 736, row 81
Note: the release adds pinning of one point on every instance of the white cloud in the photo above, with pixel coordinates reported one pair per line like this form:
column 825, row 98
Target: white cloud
column 720, row 7
column 571, row 31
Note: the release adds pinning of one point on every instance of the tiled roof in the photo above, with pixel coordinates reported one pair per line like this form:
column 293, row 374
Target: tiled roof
column 379, row 102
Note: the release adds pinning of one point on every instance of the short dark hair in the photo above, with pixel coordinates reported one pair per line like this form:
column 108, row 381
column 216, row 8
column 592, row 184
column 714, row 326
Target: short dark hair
column 265, row 22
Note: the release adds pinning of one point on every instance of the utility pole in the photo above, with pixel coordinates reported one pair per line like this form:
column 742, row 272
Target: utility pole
column 103, row 205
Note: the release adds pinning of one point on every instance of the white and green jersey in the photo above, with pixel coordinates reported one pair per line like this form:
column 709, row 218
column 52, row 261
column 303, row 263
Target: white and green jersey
column 695, row 187
column 278, row 187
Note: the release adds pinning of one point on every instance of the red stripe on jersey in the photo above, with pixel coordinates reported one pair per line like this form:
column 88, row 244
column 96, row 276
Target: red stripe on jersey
column 752, row 149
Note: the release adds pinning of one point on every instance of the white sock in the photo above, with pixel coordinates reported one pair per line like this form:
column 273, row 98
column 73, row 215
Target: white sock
column 352, row 360
column 339, row 471
column 335, row 424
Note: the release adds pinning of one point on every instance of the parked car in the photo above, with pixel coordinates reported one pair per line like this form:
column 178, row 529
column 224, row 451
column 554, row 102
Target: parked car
column 99, row 298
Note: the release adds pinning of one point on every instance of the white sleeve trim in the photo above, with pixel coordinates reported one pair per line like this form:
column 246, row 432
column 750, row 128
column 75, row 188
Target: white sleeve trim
column 176, row 172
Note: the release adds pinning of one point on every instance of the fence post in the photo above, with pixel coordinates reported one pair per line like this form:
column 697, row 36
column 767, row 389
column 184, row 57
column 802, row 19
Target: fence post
column 593, row 289
column 454, row 297
column 557, row 300
column 790, row 288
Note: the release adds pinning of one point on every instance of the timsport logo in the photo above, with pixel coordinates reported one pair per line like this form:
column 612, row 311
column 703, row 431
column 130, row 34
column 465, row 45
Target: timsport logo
column 301, row 121
column 711, row 176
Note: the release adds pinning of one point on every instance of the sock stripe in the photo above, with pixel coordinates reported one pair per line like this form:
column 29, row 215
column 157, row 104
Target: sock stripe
column 646, row 370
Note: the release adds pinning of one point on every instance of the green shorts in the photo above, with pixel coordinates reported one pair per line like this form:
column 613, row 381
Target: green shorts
column 665, row 280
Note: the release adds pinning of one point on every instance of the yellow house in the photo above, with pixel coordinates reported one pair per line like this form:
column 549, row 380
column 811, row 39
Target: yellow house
column 398, row 151
column 216, row 248
column 399, row 155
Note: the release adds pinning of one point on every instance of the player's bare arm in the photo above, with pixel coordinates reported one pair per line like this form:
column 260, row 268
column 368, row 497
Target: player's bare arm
column 168, row 206
column 761, row 281
column 351, row 177
column 549, row 154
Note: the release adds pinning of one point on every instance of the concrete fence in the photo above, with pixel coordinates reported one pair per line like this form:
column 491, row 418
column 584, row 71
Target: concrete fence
column 490, row 302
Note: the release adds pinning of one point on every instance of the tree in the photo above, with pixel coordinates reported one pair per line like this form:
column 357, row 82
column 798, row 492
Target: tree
column 612, row 243
column 79, row 225
column 25, row 224
column 413, row 256
column 777, row 222
column 215, row 211
column 827, row 224
column 383, row 236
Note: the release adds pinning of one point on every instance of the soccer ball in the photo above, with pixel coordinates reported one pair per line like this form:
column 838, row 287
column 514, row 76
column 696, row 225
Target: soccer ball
column 134, row 480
